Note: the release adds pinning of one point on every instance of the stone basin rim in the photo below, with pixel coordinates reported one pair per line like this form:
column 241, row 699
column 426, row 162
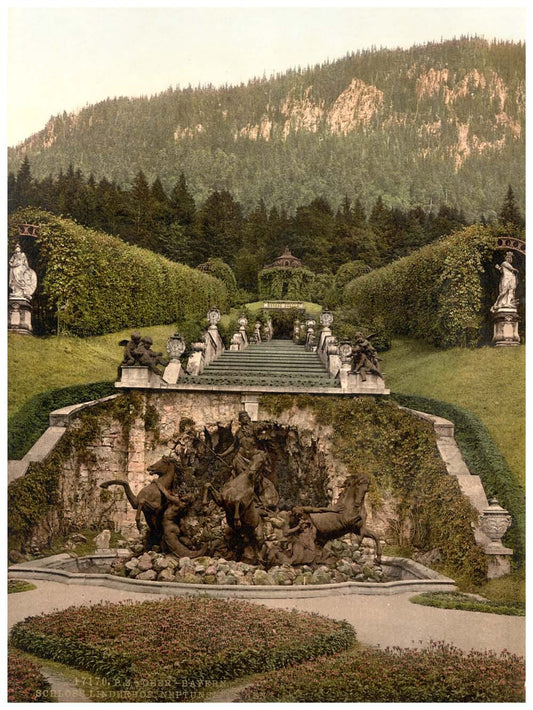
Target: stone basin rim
column 49, row 569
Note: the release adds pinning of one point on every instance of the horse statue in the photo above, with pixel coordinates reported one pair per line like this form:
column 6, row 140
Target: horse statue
column 348, row 515
column 238, row 499
column 152, row 499
column 160, row 506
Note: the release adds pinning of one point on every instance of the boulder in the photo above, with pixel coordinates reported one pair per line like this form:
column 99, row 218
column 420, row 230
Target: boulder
column 262, row 577
column 149, row 575
column 145, row 562
column 166, row 575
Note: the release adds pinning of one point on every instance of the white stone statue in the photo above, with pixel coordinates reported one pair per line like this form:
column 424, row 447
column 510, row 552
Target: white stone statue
column 506, row 297
column 22, row 279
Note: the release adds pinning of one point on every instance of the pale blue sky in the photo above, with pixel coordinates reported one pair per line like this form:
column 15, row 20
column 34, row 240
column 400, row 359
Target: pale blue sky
column 64, row 58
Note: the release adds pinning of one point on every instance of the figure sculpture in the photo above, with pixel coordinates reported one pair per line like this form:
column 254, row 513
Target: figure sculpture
column 364, row 357
column 144, row 355
column 507, row 286
column 248, row 494
column 248, row 457
column 22, row 279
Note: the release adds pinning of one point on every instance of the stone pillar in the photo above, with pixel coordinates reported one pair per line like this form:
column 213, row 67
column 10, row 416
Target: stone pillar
column 250, row 403
column 506, row 321
column 175, row 349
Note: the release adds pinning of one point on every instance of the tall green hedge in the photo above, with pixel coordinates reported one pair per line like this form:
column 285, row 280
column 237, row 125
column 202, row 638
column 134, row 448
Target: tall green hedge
column 438, row 294
column 91, row 283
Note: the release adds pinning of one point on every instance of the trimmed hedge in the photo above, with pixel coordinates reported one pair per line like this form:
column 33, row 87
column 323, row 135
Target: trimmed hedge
column 438, row 294
column 32, row 419
column 160, row 650
column 483, row 459
column 90, row 283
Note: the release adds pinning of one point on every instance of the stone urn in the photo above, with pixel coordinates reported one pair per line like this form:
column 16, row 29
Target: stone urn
column 495, row 521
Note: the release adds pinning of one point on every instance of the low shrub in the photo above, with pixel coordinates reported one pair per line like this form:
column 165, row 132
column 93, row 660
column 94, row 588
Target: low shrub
column 19, row 585
column 483, row 459
column 156, row 651
column 26, row 683
column 437, row 674
column 465, row 602
column 31, row 420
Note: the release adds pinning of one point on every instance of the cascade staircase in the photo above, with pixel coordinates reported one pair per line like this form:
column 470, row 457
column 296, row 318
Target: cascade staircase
column 278, row 364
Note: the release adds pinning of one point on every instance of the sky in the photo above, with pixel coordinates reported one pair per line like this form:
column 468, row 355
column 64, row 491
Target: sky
column 63, row 57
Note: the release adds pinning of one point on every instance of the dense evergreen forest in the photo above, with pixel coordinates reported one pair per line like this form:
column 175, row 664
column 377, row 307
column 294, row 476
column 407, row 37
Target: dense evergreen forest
column 172, row 224
column 439, row 124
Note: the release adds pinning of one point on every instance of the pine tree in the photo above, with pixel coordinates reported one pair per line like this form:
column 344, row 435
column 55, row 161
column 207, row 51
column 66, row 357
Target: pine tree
column 509, row 213
column 25, row 192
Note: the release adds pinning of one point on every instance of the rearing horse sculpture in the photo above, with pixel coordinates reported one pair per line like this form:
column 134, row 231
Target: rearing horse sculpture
column 348, row 515
column 152, row 499
column 237, row 498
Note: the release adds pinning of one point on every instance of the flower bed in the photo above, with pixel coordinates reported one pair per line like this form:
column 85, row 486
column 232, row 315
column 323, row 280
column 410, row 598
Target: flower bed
column 176, row 649
column 440, row 673
column 26, row 684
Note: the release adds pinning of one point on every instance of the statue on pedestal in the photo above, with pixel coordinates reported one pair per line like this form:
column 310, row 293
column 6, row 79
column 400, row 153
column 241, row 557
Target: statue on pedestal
column 507, row 286
column 22, row 279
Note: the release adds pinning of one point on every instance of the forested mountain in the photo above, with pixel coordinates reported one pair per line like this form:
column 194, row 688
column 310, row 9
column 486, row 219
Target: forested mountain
column 437, row 124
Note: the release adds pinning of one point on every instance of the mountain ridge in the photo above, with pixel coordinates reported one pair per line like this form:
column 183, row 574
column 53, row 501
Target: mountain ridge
column 442, row 122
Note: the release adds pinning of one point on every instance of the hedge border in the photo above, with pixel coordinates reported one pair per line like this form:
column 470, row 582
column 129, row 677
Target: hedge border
column 30, row 422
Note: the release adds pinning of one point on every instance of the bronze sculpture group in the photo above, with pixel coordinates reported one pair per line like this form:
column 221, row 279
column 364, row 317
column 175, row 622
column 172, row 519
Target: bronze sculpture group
column 248, row 499
column 138, row 351
column 365, row 358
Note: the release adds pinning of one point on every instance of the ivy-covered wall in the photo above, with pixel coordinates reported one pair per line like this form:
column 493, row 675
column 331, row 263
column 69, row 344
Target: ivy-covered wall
column 441, row 293
column 90, row 283
column 293, row 284
column 413, row 501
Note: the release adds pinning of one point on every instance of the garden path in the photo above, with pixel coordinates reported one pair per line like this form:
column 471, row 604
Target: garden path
column 379, row 620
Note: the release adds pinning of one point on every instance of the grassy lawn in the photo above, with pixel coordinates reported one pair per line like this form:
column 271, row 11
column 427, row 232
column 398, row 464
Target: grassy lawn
column 39, row 364
column 490, row 382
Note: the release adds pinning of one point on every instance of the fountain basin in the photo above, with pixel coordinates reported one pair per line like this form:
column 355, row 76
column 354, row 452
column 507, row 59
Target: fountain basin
column 405, row 576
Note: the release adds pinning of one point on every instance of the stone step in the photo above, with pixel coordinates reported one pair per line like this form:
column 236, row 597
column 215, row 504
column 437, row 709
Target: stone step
column 262, row 364
column 274, row 363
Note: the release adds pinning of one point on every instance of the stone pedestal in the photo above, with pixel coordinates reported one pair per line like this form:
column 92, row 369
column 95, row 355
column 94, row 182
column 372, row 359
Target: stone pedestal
column 505, row 327
column 139, row 377
column 19, row 315
column 371, row 385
